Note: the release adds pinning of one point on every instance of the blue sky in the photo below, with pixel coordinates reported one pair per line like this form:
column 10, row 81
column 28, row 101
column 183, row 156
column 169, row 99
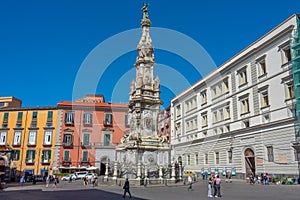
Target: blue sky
column 44, row 44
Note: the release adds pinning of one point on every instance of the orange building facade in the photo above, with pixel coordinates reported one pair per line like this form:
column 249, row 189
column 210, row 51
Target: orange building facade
column 90, row 129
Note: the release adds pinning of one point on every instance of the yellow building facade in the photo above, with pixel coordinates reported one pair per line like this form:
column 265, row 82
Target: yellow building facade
column 27, row 142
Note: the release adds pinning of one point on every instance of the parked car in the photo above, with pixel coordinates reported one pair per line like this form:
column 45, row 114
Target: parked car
column 68, row 177
column 81, row 174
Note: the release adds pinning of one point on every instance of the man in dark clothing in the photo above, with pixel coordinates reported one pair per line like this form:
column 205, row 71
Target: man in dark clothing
column 126, row 188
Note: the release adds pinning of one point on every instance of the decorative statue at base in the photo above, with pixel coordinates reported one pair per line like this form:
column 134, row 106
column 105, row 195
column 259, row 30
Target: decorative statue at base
column 145, row 11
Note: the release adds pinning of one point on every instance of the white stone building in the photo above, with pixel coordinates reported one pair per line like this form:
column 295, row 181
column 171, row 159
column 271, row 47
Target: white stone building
column 241, row 117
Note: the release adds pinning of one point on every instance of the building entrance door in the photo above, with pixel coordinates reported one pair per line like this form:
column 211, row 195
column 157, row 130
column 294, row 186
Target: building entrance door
column 250, row 162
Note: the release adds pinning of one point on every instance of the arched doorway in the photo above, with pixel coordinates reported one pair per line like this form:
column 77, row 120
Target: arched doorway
column 249, row 162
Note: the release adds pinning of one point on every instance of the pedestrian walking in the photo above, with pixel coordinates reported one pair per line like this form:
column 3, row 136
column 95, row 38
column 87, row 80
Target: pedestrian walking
column 93, row 180
column 218, row 186
column 190, row 182
column 209, row 186
column 126, row 188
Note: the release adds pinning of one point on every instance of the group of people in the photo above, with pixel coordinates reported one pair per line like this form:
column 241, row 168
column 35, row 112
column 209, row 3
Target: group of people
column 215, row 184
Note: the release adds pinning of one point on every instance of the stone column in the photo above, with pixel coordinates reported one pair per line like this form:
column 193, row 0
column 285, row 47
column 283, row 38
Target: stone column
column 138, row 174
column 173, row 172
column 115, row 170
column 180, row 172
column 106, row 171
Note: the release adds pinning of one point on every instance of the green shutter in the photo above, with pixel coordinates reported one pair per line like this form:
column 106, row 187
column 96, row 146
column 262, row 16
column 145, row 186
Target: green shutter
column 33, row 155
column 49, row 154
column 27, row 154
column 84, row 155
column 12, row 153
column 20, row 116
column 43, row 154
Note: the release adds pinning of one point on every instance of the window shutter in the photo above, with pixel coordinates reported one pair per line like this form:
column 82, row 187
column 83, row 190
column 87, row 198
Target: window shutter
column 33, row 154
column 12, row 153
column 17, row 154
column 49, row 154
column 43, row 155
column 27, row 154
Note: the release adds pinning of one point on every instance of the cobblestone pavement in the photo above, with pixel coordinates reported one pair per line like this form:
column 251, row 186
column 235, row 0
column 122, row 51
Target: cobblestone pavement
column 230, row 191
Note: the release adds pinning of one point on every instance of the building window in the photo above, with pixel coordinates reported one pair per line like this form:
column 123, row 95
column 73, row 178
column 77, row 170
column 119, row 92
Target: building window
column 270, row 153
column 48, row 138
column 225, row 85
column 244, row 106
column 188, row 159
column 5, row 120
column 246, row 123
column 87, row 119
column 46, row 156
column 286, row 54
column 69, row 118
column 215, row 116
column 19, row 120
column 17, row 138
column 30, row 156
column 106, row 140
column 32, row 138
column 108, row 119
column 2, row 104
column 178, row 129
column 261, row 67
column 206, row 158
column 15, row 155
column 230, row 156
column 204, row 120
column 86, row 139
column 3, row 138
column 227, row 112
column 203, row 97
column 178, row 111
column 34, row 120
column 196, row 159
column 217, row 158
column 49, row 119
column 191, row 104
column 290, row 93
column 264, row 99
column 242, row 76
column 50, row 116
column 85, row 155
column 68, row 140
column 66, row 157
column 266, row 118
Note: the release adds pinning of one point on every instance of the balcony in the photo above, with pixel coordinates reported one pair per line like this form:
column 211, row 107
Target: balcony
column 85, row 163
column 17, row 144
column 86, row 145
column 107, row 123
column 69, row 123
column 31, row 144
column 45, row 162
column 67, row 144
column 101, row 145
column 66, row 163
column 29, row 162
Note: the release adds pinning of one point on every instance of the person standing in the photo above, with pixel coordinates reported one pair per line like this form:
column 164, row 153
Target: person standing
column 210, row 182
column 22, row 181
column 47, row 181
column 126, row 188
column 218, row 186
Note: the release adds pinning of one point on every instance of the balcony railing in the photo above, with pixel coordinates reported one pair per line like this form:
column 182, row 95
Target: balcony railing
column 67, row 144
column 86, row 145
column 29, row 161
column 105, row 145
column 66, row 163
